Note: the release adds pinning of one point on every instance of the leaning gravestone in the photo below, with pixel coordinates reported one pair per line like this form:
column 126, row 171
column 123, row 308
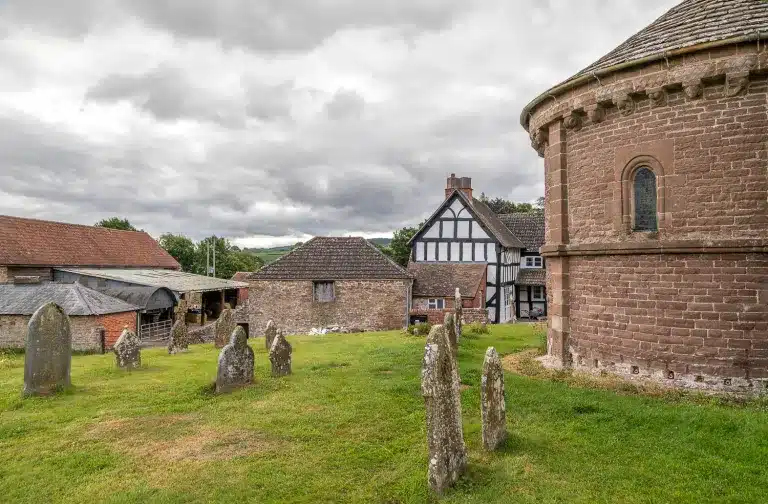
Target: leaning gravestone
column 128, row 350
column 235, row 363
column 179, row 341
column 48, row 356
column 457, row 314
column 493, row 409
column 450, row 331
column 280, row 355
column 440, row 388
column 225, row 324
column 269, row 334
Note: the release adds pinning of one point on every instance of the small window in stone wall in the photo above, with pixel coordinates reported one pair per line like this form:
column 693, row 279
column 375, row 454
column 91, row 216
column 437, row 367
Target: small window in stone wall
column 436, row 303
column 323, row 292
column 645, row 200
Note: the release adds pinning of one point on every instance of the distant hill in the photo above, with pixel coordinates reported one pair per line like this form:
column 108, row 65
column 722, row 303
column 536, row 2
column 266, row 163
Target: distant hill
column 271, row 254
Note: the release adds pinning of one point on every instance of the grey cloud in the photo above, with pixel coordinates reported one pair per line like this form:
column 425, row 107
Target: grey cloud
column 345, row 104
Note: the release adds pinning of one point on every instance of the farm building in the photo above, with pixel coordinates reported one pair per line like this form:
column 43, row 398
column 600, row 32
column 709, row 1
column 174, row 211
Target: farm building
column 657, row 218
column 330, row 281
column 434, row 290
column 96, row 319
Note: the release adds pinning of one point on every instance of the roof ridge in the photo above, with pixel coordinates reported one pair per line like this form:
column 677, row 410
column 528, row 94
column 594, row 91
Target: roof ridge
column 90, row 226
column 79, row 294
column 385, row 256
column 266, row 267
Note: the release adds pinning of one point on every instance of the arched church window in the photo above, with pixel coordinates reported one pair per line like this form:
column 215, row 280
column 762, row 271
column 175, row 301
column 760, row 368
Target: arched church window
column 645, row 200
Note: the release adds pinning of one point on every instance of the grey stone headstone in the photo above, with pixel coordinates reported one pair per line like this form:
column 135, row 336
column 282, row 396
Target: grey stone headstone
column 493, row 408
column 269, row 334
column 440, row 389
column 225, row 324
column 458, row 313
column 179, row 340
column 280, row 355
column 235, row 363
column 48, row 357
column 450, row 331
column 128, row 350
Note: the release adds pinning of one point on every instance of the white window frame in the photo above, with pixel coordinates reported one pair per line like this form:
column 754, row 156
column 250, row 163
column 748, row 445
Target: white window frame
column 534, row 297
column 536, row 262
column 436, row 303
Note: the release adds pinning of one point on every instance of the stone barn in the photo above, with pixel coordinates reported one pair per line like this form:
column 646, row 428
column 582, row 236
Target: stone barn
column 96, row 319
column 434, row 291
column 330, row 281
column 656, row 164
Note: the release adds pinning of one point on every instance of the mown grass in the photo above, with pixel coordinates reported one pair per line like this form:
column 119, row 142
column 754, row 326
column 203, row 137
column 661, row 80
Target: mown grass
column 348, row 426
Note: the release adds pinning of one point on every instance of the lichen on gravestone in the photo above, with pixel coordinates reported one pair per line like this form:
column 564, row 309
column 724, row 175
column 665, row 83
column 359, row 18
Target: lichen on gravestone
column 450, row 330
column 458, row 313
column 236, row 361
column 225, row 324
column 48, row 355
column 269, row 334
column 178, row 341
column 493, row 408
column 440, row 388
column 127, row 350
column 280, row 355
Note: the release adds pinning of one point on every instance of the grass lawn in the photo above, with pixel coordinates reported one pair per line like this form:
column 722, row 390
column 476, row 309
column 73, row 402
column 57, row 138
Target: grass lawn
column 348, row 426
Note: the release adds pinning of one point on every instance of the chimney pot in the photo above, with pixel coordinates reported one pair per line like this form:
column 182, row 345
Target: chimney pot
column 463, row 184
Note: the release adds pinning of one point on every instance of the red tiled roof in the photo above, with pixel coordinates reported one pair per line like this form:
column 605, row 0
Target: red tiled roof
column 32, row 242
column 442, row 279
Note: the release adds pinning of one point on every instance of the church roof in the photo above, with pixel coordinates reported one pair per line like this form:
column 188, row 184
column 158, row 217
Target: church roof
column 331, row 258
column 690, row 23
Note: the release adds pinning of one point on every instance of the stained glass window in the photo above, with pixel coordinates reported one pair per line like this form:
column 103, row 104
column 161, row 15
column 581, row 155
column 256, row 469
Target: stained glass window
column 645, row 200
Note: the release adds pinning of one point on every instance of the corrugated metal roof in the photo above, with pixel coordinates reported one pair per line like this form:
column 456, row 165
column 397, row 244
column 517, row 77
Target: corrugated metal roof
column 138, row 295
column 73, row 298
column 177, row 281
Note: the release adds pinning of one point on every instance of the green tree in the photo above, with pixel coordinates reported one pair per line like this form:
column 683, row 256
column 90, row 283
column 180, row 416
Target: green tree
column 116, row 223
column 539, row 204
column 503, row 206
column 399, row 250
column 182, row 249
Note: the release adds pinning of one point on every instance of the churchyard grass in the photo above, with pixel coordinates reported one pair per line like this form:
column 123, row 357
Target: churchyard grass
column 348, row 426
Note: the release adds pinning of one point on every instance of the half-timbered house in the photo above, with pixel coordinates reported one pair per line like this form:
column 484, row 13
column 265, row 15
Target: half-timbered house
column 464, row 229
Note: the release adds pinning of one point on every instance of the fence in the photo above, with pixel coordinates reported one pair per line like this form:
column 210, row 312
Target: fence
column 155, row 333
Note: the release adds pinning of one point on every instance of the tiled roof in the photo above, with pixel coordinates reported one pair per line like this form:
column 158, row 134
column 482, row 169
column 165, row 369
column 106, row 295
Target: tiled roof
column 689, row 23
column 73, row 298
column 532, row 276
column 32, row 242
column 528, row 227
column 441, row 279
column 177, row 281
column 331, row 258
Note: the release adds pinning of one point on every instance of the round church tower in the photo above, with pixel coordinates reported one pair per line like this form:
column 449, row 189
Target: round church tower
column 656, row 163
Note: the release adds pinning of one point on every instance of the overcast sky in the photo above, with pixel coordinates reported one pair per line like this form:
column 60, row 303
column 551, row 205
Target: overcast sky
column 268, row 120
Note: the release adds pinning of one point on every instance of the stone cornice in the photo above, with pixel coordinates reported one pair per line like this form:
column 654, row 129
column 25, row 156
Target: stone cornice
column 691, row 75
column 741, row 246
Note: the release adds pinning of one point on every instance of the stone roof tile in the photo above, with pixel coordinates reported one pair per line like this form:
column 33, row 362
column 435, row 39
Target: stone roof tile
column 442, row 279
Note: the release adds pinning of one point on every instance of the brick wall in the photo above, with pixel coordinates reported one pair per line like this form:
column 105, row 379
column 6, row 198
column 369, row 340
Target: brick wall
column 359, row 304
column 85, row 330
column 469, row 315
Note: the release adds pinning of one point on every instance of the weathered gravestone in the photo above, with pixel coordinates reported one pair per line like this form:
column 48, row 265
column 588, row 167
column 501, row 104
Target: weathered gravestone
column 493, row 409
column 450, row 331
column 179, row 341
column 225, row 324
column 280, row 355
column 235, row 363
column 48, row 354
column 269, row 334
column 128, row 350
column 458, row 312
column 440, row 388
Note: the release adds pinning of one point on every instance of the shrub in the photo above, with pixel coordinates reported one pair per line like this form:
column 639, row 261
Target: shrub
column 419, row 329
column 477, row 328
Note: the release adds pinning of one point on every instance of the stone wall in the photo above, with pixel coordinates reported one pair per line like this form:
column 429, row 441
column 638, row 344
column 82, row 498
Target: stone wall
column 359, row 304
column 86, row 334
column 469, row 315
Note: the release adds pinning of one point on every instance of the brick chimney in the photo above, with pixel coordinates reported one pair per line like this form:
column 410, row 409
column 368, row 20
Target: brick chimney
column 463, row 184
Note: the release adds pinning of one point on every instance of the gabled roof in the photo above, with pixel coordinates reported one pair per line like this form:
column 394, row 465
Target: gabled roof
column 484, row 215
column 688, row 24
column 442, row 279
column 528, row 227
column 177, row 281
column 532, row 276
column 331, row 258
column 32, row 242
column 73, row 298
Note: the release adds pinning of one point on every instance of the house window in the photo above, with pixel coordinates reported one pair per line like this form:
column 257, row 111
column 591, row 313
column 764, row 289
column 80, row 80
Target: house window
column 538, row 293
column 323, row 292
column 645, row 200
column 436, row 303
column 533, row 262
